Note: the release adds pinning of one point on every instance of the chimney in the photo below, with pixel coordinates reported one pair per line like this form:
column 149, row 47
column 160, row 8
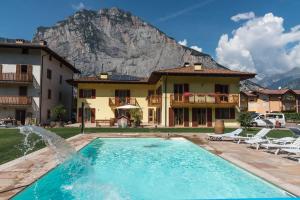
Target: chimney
column 43, row 42
column 198, row 66
column 186, row 64
column 103, row 76
column 20, row 41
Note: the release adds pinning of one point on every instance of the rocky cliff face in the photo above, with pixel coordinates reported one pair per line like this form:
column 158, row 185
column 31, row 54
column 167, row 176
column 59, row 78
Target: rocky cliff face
column 117, row 40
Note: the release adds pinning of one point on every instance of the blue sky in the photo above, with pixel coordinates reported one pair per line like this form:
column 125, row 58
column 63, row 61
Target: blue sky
column 200, row 22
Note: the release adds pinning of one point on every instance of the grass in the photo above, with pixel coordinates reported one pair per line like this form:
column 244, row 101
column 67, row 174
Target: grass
column 11, row 140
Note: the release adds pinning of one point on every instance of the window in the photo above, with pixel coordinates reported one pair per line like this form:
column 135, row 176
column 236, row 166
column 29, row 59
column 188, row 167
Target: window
column 87, row 93
column 225, row 113
column 25, row 51
column 49, row 74
column 221, row 89
column 50, row 57
column 59, row 96
column 24, row 69
column 49, row 94
column 48, row 114
column 60, row 79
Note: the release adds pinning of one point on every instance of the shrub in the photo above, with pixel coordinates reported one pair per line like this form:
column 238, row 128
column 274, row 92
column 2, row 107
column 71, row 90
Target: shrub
column 59, row 112
column 292, row 116
column 245, row 119
column 136, row 115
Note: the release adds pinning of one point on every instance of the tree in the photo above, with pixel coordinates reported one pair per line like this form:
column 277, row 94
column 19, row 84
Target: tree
column 59, row 112
column 245, row 119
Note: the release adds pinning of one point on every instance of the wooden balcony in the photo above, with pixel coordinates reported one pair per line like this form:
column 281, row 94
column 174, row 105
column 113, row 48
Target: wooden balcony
column 117, row 101
column 154, row 100
column 15, row 100
column 204, row 99
column 13, row 77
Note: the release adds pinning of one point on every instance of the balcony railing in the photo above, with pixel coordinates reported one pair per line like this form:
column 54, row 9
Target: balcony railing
column 15, row 100
column 120, row 101
column 204, row 98
column 15, row 77
column 154, row 100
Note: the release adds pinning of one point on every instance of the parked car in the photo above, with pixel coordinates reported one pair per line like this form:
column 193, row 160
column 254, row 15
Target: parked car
column 270, row 119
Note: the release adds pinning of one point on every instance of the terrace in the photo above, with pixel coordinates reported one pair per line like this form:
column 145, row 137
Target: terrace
column 204, row 99
column 154, row 100
column 15, row 100
column 16, row 78
column 118, row 101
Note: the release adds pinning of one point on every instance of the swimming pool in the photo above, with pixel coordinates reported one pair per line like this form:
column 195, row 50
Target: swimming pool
column 151, row 168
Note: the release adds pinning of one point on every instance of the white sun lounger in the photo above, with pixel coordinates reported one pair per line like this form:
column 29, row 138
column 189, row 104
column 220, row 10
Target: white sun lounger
column 293, row 151
column 254, row 139
column 278, row 147
column 220, row 137
column 258, row 138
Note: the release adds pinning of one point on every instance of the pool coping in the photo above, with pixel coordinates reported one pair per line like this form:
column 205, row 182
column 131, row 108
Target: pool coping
column 289, row 188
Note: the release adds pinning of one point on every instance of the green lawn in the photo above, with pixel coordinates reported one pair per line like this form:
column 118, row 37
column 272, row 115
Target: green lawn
column 11, row 140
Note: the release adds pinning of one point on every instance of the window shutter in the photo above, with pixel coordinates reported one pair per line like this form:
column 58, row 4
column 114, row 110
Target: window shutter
column 93, row 110
column 232, row 113
column 171, row 117
column 186, row 117
column 209, row 117
column 194, row 117
column 29, row 72
column 81, row 93
column 93, row 93
column 79, row 115
column 18, row 72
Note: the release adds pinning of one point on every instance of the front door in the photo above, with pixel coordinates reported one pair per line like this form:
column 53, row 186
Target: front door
column 20, row 116
column 201, row 116
column 178, row 92
column 178, row 116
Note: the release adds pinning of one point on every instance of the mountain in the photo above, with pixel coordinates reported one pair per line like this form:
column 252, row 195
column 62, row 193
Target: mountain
column 290, row 79
column 117, row 40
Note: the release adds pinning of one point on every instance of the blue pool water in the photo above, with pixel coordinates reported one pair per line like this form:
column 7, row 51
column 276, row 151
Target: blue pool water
column 148, row 169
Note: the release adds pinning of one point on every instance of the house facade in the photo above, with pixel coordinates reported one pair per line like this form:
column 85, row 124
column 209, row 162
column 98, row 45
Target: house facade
column 266, row 101
column 188, row 96
column 33, row 81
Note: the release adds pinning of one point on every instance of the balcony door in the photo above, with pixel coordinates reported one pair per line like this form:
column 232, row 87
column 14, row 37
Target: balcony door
column 222, row 92
column 179, row 89
column 122, row 96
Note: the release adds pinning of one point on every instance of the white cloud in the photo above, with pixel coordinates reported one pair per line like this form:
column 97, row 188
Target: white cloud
column 78, row 6
column 261, row 45
column 183, row 42
column 196, row 48
column 243, row 16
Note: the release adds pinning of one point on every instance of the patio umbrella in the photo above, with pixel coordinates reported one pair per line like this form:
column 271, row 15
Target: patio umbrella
column 127, row 107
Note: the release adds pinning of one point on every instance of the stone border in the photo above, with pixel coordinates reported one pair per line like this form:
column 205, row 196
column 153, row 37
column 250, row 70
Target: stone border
column 289, row 188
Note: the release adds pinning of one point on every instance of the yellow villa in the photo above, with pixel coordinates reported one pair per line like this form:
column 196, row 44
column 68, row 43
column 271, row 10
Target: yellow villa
column 187, row 96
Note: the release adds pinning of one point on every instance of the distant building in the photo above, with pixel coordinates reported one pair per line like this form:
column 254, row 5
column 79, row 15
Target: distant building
column 186, row 96
column 33, row 81
column 266, row 100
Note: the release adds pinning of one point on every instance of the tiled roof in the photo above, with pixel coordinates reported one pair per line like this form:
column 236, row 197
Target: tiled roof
column 249, row 94
column 114, row 78
column 274, row 92
column 190, row 69
column 178, row 71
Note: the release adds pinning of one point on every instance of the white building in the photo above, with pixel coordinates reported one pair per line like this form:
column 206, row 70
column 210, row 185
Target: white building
column 33, row 81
